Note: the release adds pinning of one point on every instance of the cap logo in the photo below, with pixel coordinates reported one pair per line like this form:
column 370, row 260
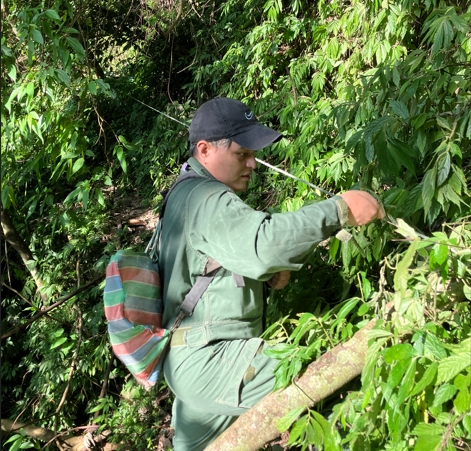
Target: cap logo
column 249, row 115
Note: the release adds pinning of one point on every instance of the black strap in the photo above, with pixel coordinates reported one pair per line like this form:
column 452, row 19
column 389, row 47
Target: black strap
column 196, row 292
column 152, row 246
column 166, row 194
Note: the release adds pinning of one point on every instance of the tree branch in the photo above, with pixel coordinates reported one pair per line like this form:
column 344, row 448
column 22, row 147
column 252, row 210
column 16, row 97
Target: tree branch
column 76, row 443
column 13, row 237
column 51, row 307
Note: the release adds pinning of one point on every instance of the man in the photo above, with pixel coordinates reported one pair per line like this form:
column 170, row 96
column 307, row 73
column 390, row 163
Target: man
column 216, row 366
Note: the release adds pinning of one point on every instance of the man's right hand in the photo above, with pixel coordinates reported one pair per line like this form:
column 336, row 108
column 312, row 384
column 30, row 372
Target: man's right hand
column 363, row 207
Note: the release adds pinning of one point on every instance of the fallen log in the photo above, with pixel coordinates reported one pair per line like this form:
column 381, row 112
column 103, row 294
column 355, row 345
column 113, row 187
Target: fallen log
column 74, row 443
column 322, row 378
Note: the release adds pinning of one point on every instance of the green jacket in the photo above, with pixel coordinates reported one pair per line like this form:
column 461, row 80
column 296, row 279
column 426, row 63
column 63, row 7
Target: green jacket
column 205, row 218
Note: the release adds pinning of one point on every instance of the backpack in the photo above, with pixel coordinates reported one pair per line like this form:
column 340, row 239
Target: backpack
column 134, row 305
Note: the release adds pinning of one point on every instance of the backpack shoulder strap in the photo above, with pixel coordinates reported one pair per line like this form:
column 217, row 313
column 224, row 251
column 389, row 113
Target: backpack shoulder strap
column 197, row 290
column 166, row 194
column 152, row 245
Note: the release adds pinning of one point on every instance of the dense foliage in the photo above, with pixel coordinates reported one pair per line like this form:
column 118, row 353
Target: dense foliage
column 369, row 95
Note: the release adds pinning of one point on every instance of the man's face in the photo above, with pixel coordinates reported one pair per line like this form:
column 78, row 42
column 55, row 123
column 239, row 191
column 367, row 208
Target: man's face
column 231, row 165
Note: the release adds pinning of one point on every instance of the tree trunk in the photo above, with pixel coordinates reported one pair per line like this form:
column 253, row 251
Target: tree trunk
column 14, row 238
column 323, row 377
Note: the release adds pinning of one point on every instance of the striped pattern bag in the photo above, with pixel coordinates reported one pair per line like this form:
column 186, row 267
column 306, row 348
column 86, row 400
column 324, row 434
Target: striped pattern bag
column 134, row 305
column 133, row 308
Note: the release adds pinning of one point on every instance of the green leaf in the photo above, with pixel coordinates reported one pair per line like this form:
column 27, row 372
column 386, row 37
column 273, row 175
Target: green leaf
column 439, row 254
column 97, row 408
column 396, row 76
column 7, row 196
column 426, row 380
column 363, row 309
column 375, row 126
column 30, row 93
column 13, row 438
column 467, row 423
column 314, row 433
column 385, row 154
column 405, row 229
column 443, row 122
column 285, row 422
column 455, row 150
column 428, row 188
column 99, row 196
column 433, row 348
column 58, row 342
column 428, row 442
column 52, row 14
column 443, row 168
column 17, row 442
column 378, row 333
column 37, row 36
column 296, row 431
column 407, row 384
column 414, row 201
column 419, row 120
column 121, row 158
column 400, row 108
column 444, row 393
column 102, row 84
column 401, row 276
column 85, row 196
column 92, row 87
column 403, row 154
column 76, row 46
column 12, row 72
column 451, row 366
column 62, row 76
column 78, row 165
column 396, row 373
column 30, row 52
column 400, row 351
column 347, row 308
column 428, row 429
column 32, row 208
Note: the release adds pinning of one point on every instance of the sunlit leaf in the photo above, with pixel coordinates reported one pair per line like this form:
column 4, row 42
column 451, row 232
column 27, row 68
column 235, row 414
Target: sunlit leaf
column 285, row 422
column 451, row 366
column 405, row 230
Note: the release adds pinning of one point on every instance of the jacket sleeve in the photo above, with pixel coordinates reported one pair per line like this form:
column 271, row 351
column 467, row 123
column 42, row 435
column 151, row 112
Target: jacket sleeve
column 252, row 243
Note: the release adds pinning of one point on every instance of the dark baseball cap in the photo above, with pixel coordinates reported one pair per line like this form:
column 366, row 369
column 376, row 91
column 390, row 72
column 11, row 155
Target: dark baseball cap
column 222, row 118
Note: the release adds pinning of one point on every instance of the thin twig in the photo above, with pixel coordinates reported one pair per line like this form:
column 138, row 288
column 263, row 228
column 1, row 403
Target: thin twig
column 78, row 428
column 7, row 262
column 293, row 88
column 27, row 405
column 51, row 307
column 105, row 380
column 29, row 303
column 74, row 360
column 170, row 70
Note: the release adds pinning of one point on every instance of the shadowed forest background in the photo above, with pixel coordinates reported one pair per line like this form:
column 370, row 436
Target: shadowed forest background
column 371, row 95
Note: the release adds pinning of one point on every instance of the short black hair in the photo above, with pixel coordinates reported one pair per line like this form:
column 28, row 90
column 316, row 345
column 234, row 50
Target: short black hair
column 226, row 142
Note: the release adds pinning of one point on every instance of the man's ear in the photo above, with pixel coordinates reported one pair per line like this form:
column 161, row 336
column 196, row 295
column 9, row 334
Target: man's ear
column 202, row 150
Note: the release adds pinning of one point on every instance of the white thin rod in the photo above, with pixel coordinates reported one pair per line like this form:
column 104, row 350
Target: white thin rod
column 160, row 112
column 294, row 177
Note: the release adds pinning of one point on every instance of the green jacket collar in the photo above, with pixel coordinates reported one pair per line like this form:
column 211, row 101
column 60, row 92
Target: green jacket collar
column 199, row 168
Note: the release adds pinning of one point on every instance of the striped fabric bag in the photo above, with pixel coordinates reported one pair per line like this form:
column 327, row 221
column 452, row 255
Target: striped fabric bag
column 133, row 308
column 134, row 305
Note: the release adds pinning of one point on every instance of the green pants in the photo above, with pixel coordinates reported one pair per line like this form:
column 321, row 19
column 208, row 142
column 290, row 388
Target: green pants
column 213, row 385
